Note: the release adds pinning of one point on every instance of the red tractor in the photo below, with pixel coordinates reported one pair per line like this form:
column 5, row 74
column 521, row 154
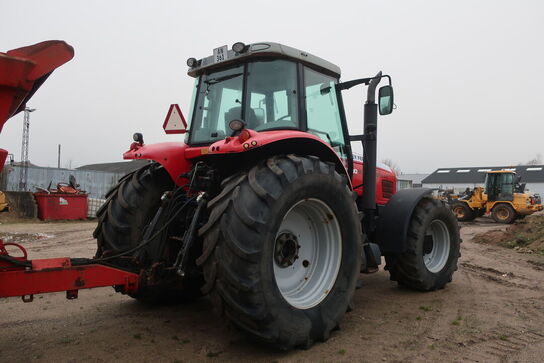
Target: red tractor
column 263, row 206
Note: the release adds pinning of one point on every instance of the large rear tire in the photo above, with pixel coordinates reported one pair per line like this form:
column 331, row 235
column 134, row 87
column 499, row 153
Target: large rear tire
column 122, row 220
column 433, row 248
column 282, row 250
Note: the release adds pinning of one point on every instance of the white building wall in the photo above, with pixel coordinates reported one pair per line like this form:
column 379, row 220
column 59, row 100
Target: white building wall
column 533, row 188
column 457, row 187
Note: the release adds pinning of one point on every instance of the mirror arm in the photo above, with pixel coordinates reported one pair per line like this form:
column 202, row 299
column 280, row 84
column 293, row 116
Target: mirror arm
column 349, row 84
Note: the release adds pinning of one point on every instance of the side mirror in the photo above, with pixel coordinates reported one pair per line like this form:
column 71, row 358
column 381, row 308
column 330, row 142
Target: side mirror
column 385, row 100
column 175, row 122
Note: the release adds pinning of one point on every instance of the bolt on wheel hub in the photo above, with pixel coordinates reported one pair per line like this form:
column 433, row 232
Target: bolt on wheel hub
column 286, row 251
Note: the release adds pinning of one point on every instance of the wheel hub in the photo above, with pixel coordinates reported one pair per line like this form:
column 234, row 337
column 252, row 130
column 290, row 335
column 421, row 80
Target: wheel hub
column 459, row 212
column 436, row 246
column 286, row 251
column 307, row 253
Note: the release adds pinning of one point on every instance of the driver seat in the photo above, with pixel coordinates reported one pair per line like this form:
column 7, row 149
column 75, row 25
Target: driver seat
column 234, row 113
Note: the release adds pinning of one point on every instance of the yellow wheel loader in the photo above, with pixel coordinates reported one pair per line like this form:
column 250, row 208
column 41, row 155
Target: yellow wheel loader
column 3, row 203
column 503, row 197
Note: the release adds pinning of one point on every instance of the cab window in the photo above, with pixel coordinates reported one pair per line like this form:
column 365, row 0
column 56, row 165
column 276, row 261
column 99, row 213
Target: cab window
column 272, row 99
column 322, row 112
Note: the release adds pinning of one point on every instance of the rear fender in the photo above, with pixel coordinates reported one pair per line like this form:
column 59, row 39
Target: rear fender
column 171, row 155
column 394, row 221
column 262, row 145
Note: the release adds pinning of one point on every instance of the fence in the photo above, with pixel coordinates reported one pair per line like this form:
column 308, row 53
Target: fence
column 95, row 183
column 93, row 205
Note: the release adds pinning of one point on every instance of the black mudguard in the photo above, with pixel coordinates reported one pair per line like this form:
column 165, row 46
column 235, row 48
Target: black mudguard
column 394, row 220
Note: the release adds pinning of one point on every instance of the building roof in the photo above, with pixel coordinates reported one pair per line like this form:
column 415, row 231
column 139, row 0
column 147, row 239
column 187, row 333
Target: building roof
column 119, row 167
column 475, row 175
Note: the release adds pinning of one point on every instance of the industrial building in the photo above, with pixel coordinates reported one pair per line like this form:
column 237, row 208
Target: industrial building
column 469, row 177
column 410, row 180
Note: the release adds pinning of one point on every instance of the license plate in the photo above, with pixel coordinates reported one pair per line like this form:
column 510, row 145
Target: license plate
column 220, row 54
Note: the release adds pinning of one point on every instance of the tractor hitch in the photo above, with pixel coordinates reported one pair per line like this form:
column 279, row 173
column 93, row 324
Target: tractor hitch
column 26, row 278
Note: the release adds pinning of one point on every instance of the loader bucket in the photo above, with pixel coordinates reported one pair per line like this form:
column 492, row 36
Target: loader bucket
column 23, row 70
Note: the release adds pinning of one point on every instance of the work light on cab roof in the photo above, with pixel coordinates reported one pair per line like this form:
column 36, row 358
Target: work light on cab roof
column 239, row 47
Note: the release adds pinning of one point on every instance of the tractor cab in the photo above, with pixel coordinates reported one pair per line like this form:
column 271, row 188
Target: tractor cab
column 268, row 87
column 499, row 185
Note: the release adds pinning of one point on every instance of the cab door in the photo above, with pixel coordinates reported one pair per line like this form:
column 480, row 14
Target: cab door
column 500, row 187
column 322, row 112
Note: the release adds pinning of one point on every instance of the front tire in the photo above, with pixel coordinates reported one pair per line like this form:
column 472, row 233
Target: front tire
column 463, row 212
column 433, row 248
column 282, row 250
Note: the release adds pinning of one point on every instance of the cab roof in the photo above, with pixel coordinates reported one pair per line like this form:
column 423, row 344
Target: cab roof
column 265, row 50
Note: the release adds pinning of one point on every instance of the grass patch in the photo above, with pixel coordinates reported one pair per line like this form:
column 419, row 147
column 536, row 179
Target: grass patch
column 342, row 351
column 503, row 338
column 409, row 344
column 211, row 354
column 525, row 236
column 67, row 340
column 425, row 308
column 137, row 336
column 185, row 341
column 457, row 321
column 418, row 317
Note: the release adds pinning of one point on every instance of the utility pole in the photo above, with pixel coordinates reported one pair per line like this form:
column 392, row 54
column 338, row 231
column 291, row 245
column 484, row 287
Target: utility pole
column 58, row 161
column 23, row 171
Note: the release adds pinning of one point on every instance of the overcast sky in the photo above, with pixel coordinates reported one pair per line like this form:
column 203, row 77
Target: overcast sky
column 468, row 75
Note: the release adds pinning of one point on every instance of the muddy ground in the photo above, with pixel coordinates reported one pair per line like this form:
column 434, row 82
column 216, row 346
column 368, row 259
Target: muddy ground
column 493, row 311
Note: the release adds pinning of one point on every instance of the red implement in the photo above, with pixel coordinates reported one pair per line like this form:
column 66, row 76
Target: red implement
column 25, row 278
column 23, row 70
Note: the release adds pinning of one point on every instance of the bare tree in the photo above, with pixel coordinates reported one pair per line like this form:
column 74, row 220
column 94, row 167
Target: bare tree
column 390, row 163
column 537, row 160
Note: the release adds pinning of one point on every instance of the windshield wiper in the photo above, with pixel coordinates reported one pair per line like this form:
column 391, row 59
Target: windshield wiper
column 221, row 79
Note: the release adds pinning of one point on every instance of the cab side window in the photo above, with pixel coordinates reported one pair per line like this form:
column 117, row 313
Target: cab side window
column 322, row 112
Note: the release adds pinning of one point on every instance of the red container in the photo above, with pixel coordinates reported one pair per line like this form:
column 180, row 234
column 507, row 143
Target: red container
column 61, row 206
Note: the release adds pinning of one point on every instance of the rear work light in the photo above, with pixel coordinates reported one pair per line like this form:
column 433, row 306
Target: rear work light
column 244, row 136
column 192, row 62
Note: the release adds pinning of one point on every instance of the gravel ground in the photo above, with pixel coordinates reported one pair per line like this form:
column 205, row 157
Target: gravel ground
column 492, row 312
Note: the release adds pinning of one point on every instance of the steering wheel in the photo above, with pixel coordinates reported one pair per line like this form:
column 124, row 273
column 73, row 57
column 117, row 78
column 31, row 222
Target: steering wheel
column 283, row 117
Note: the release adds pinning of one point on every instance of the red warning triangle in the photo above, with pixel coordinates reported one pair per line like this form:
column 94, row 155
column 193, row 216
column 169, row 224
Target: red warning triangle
column 175, row 122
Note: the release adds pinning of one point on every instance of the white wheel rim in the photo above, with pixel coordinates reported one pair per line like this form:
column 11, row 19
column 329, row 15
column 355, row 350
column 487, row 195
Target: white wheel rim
column 436, row 246
column 306, row 266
